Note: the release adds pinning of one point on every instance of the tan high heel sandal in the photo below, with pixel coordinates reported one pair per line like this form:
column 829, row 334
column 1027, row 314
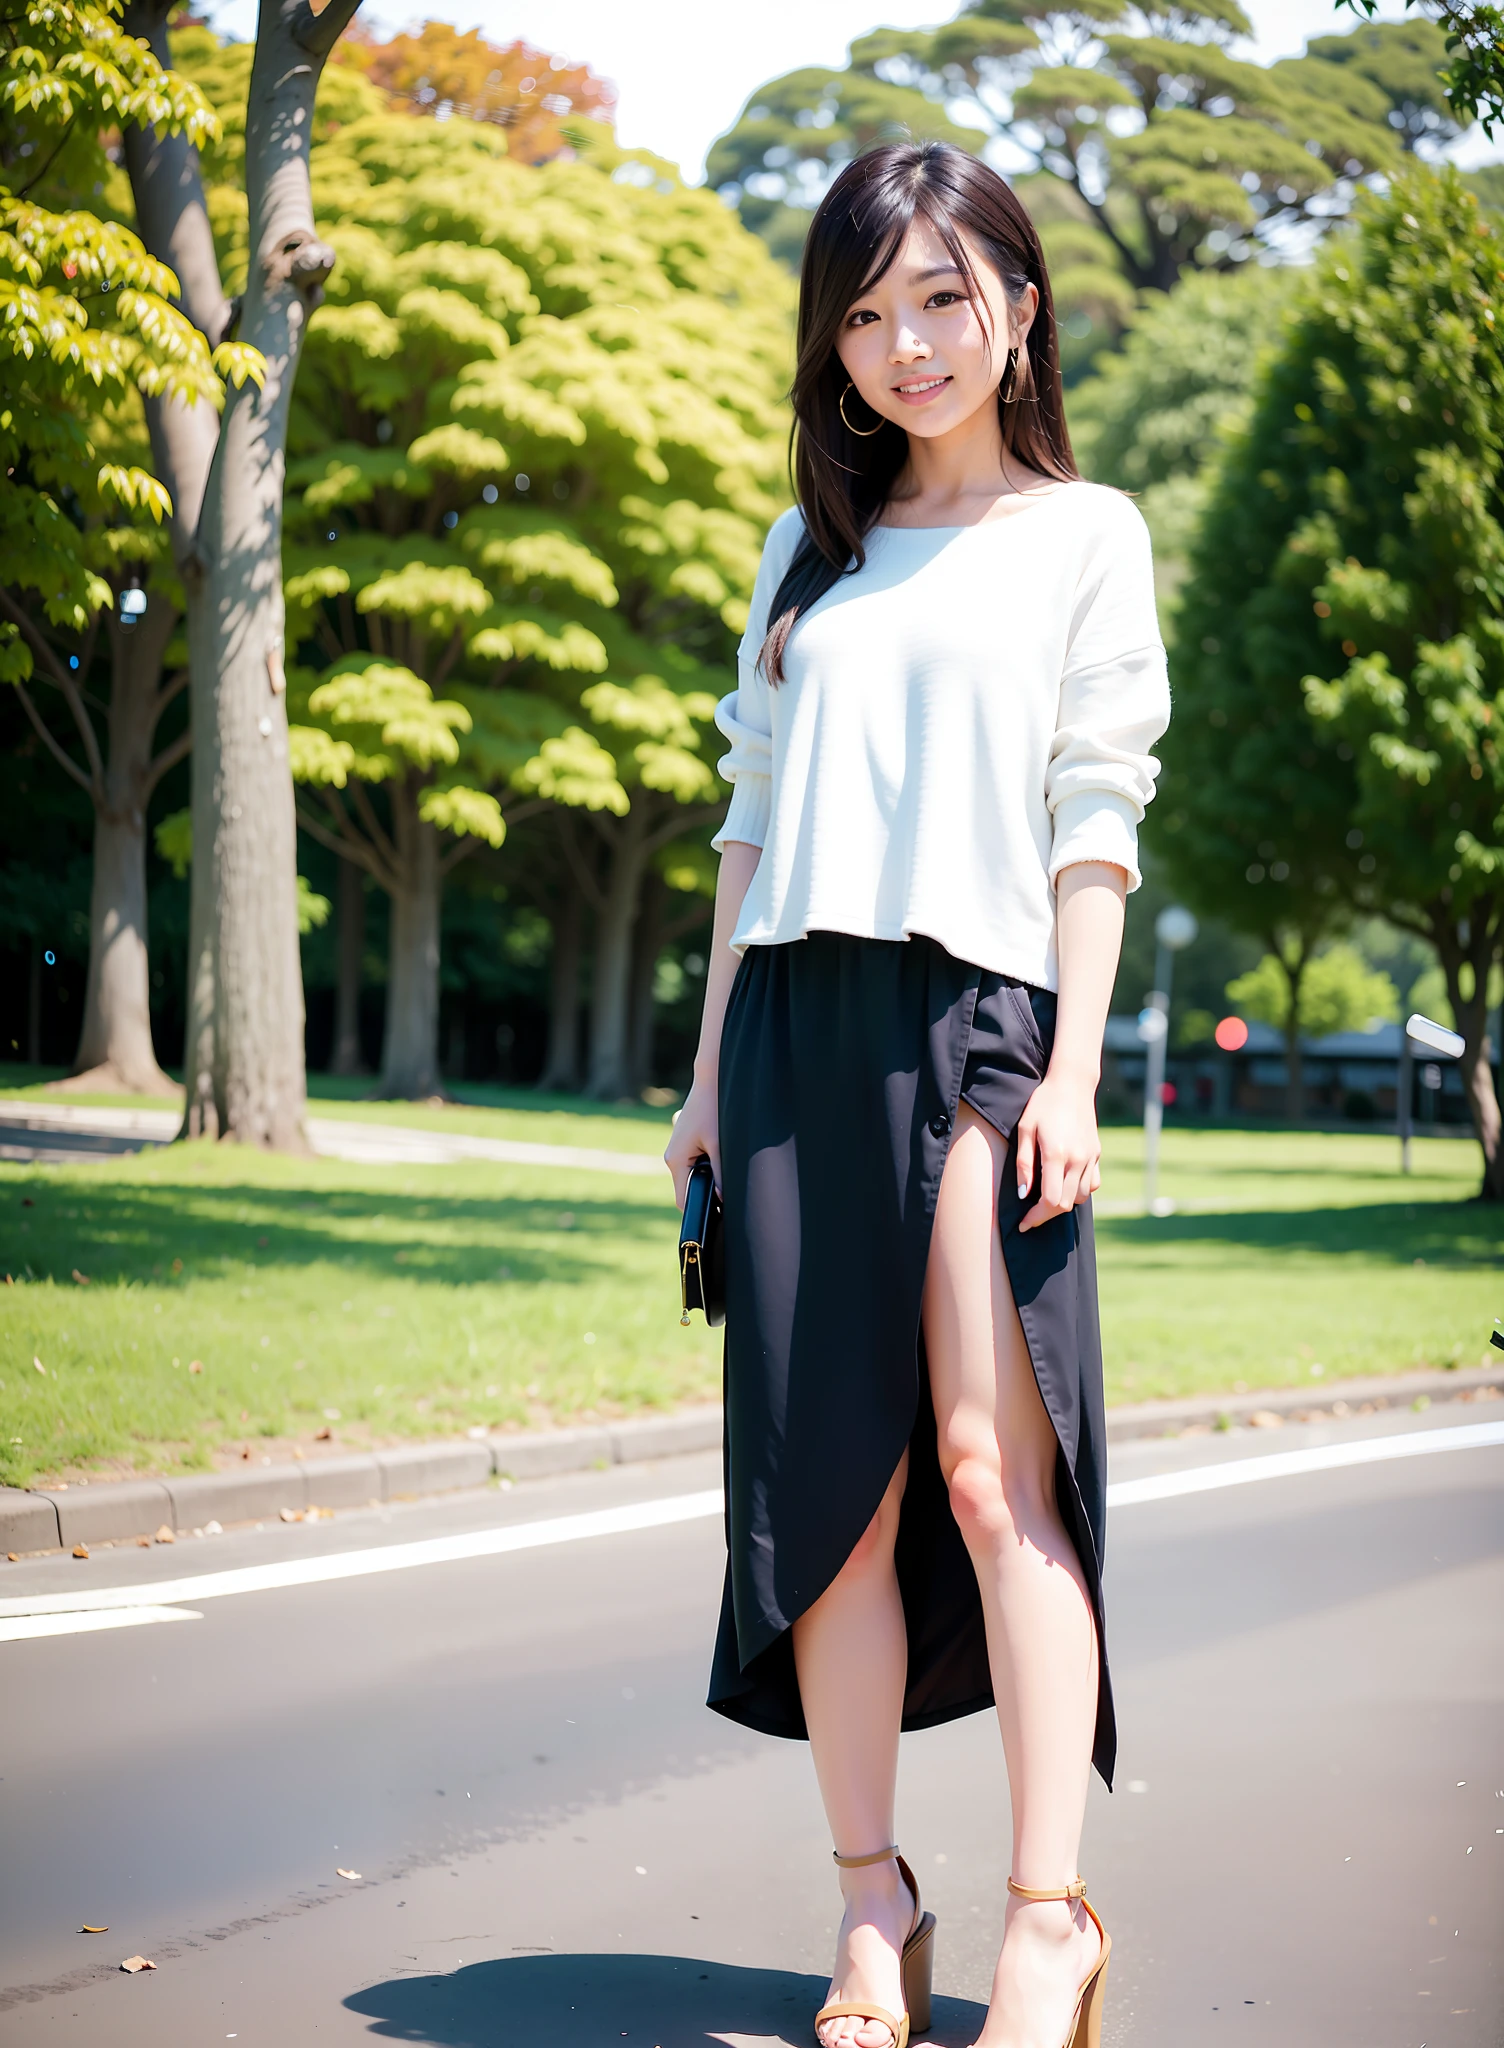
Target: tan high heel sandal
column 916, row 1964
column 1086, row 2025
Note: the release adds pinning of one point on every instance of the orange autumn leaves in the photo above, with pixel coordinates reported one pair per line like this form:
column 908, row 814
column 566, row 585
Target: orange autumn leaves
column 527, row 92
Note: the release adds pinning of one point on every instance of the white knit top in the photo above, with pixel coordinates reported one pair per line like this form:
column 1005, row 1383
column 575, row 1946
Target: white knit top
column 963, row 717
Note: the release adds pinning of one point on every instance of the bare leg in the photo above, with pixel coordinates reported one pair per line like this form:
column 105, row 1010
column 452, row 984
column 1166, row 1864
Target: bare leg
column 997, row 1452
column 851, row 1652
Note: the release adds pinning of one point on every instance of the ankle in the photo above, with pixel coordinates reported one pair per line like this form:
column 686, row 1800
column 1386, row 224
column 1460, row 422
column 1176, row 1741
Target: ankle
column 1050, row 1922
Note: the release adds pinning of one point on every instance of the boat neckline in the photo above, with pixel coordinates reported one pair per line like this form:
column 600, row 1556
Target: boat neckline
column 1061, row 490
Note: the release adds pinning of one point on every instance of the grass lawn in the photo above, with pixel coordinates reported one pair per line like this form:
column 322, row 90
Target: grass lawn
column 383, row 1302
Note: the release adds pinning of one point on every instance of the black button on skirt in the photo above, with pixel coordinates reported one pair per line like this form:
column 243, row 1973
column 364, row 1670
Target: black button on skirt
column 843, row 1062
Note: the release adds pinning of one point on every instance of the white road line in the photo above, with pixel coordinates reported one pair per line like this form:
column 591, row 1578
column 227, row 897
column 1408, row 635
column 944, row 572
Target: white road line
column 95, row 1608
column 1373, row 1450
column 394, row 1557
column 77, row 1624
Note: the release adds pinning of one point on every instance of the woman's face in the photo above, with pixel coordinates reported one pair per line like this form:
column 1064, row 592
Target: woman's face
column 919, row 349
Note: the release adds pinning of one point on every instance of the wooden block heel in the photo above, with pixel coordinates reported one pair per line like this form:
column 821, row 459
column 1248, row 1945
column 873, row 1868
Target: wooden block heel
column 916, row 1965
column 1086, row 2026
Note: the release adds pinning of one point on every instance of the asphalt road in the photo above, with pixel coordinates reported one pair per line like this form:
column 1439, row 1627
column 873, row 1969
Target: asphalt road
column 558, row 1844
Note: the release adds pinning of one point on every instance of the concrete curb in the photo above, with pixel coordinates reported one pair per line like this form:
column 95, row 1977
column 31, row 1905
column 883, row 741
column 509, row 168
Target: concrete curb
column 1340, row 1397
column 113, row 1511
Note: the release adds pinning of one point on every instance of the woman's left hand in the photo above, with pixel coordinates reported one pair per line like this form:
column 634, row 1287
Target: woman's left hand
column 1057, row 1134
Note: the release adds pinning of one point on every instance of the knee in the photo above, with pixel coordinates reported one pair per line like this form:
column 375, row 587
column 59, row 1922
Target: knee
column 995, row 1506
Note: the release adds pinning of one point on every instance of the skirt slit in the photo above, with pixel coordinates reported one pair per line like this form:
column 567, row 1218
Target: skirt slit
column 843, row 1065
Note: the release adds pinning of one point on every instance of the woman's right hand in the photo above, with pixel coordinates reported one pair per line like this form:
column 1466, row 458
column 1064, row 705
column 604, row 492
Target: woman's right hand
column 696, row 1130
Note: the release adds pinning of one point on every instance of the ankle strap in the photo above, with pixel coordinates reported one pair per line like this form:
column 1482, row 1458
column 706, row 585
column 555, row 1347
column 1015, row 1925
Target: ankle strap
column 1075, row 1890
column 860, row 1862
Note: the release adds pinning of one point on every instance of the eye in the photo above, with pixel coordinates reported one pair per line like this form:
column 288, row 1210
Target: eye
column 947, row 298
column 861, row 317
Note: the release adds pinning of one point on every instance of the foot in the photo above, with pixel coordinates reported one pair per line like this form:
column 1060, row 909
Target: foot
column 878, row 1920
column 1049, row 1948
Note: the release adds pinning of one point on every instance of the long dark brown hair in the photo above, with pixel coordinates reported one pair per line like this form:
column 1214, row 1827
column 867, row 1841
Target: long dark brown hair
column 843, row 479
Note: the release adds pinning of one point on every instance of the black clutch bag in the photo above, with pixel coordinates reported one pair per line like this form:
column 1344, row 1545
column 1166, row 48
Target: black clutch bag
column 702, row 1250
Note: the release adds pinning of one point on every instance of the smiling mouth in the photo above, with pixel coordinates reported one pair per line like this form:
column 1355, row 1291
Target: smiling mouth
column 918, row 389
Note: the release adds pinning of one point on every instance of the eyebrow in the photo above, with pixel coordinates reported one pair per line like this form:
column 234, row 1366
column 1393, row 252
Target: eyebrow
column 940, row 270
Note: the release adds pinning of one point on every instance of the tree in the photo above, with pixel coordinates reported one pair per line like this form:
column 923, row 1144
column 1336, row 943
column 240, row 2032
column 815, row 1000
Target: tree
column 244, row 1053
column 1474, row 34
column 537, row 443
column 1383, row 436
column 536, row 98
column 87, row 327
column 1169, row 150
column 1339, row 991
column 1152, row 416
column 1254, row 815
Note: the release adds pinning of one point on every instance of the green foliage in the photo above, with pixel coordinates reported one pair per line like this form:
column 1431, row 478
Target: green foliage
column 537, row 441
column 1474, row 34
column 1339, row 991
column 87, row 320
column 1393, row 504
column 1152, row 416
column 1172, row 151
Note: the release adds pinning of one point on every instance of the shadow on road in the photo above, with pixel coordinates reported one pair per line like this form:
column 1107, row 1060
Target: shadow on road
column 593, row 2001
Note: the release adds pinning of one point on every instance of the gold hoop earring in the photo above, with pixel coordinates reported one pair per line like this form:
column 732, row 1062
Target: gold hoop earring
column 1009, row 384
column 862, row 433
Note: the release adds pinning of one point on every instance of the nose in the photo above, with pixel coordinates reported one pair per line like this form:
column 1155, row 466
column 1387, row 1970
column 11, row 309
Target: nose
column 909, row 347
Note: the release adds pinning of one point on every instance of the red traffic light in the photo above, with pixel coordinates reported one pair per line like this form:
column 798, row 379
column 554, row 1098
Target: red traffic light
column 1232, row 1034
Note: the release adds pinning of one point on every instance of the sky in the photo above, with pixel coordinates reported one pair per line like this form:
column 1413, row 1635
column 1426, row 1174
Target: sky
column 685, row 68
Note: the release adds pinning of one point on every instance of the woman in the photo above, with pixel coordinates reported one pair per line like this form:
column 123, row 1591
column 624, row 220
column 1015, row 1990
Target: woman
column 949, row 685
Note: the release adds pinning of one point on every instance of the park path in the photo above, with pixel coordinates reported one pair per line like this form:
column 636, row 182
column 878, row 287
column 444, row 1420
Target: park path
column 555, row 1843
column 59, row 1133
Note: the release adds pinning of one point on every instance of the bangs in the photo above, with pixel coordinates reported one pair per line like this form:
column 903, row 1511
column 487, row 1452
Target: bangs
column 885, row 240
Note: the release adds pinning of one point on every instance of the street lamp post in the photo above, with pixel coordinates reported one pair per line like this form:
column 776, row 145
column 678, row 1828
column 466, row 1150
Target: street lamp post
column 1174, row 929
column 1435, row 1038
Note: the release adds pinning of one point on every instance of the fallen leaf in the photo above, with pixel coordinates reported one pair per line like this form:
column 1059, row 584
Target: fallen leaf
column 81, row 1278
column 135, row 1963
column 143, row 1543
column 40, row 1367
column 195, row 1365
column 86, row 1929
column 12, row 1557
column 353, row 1875
column 1265, row 1418
column 164, row 1535
column 80, row 1550
column 323, row 1436
column 289, row 1515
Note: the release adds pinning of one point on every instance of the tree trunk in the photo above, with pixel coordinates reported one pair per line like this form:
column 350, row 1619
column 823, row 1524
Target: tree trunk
column 347, row 1058
column 1295, row 1089
column 410, row 1056
column 1474, row 945
column 610, row 1078
column 647, row 943
column 172, row 218
column 34, row 1005
column 115, row 1047
column 561, row 1070
column 244, row 1052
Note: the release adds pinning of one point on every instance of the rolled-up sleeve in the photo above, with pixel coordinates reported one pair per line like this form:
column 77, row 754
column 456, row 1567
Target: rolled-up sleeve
column 1114, row 705
column 745, row 719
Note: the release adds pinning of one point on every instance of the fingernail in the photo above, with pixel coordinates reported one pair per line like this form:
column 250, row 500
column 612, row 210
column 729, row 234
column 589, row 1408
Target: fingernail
column 1023, row 1189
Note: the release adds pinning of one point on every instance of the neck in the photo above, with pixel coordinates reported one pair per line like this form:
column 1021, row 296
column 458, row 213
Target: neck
column 957, row 468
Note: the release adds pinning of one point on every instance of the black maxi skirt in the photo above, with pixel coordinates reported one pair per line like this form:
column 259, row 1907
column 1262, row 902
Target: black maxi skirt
column 843, row 1063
